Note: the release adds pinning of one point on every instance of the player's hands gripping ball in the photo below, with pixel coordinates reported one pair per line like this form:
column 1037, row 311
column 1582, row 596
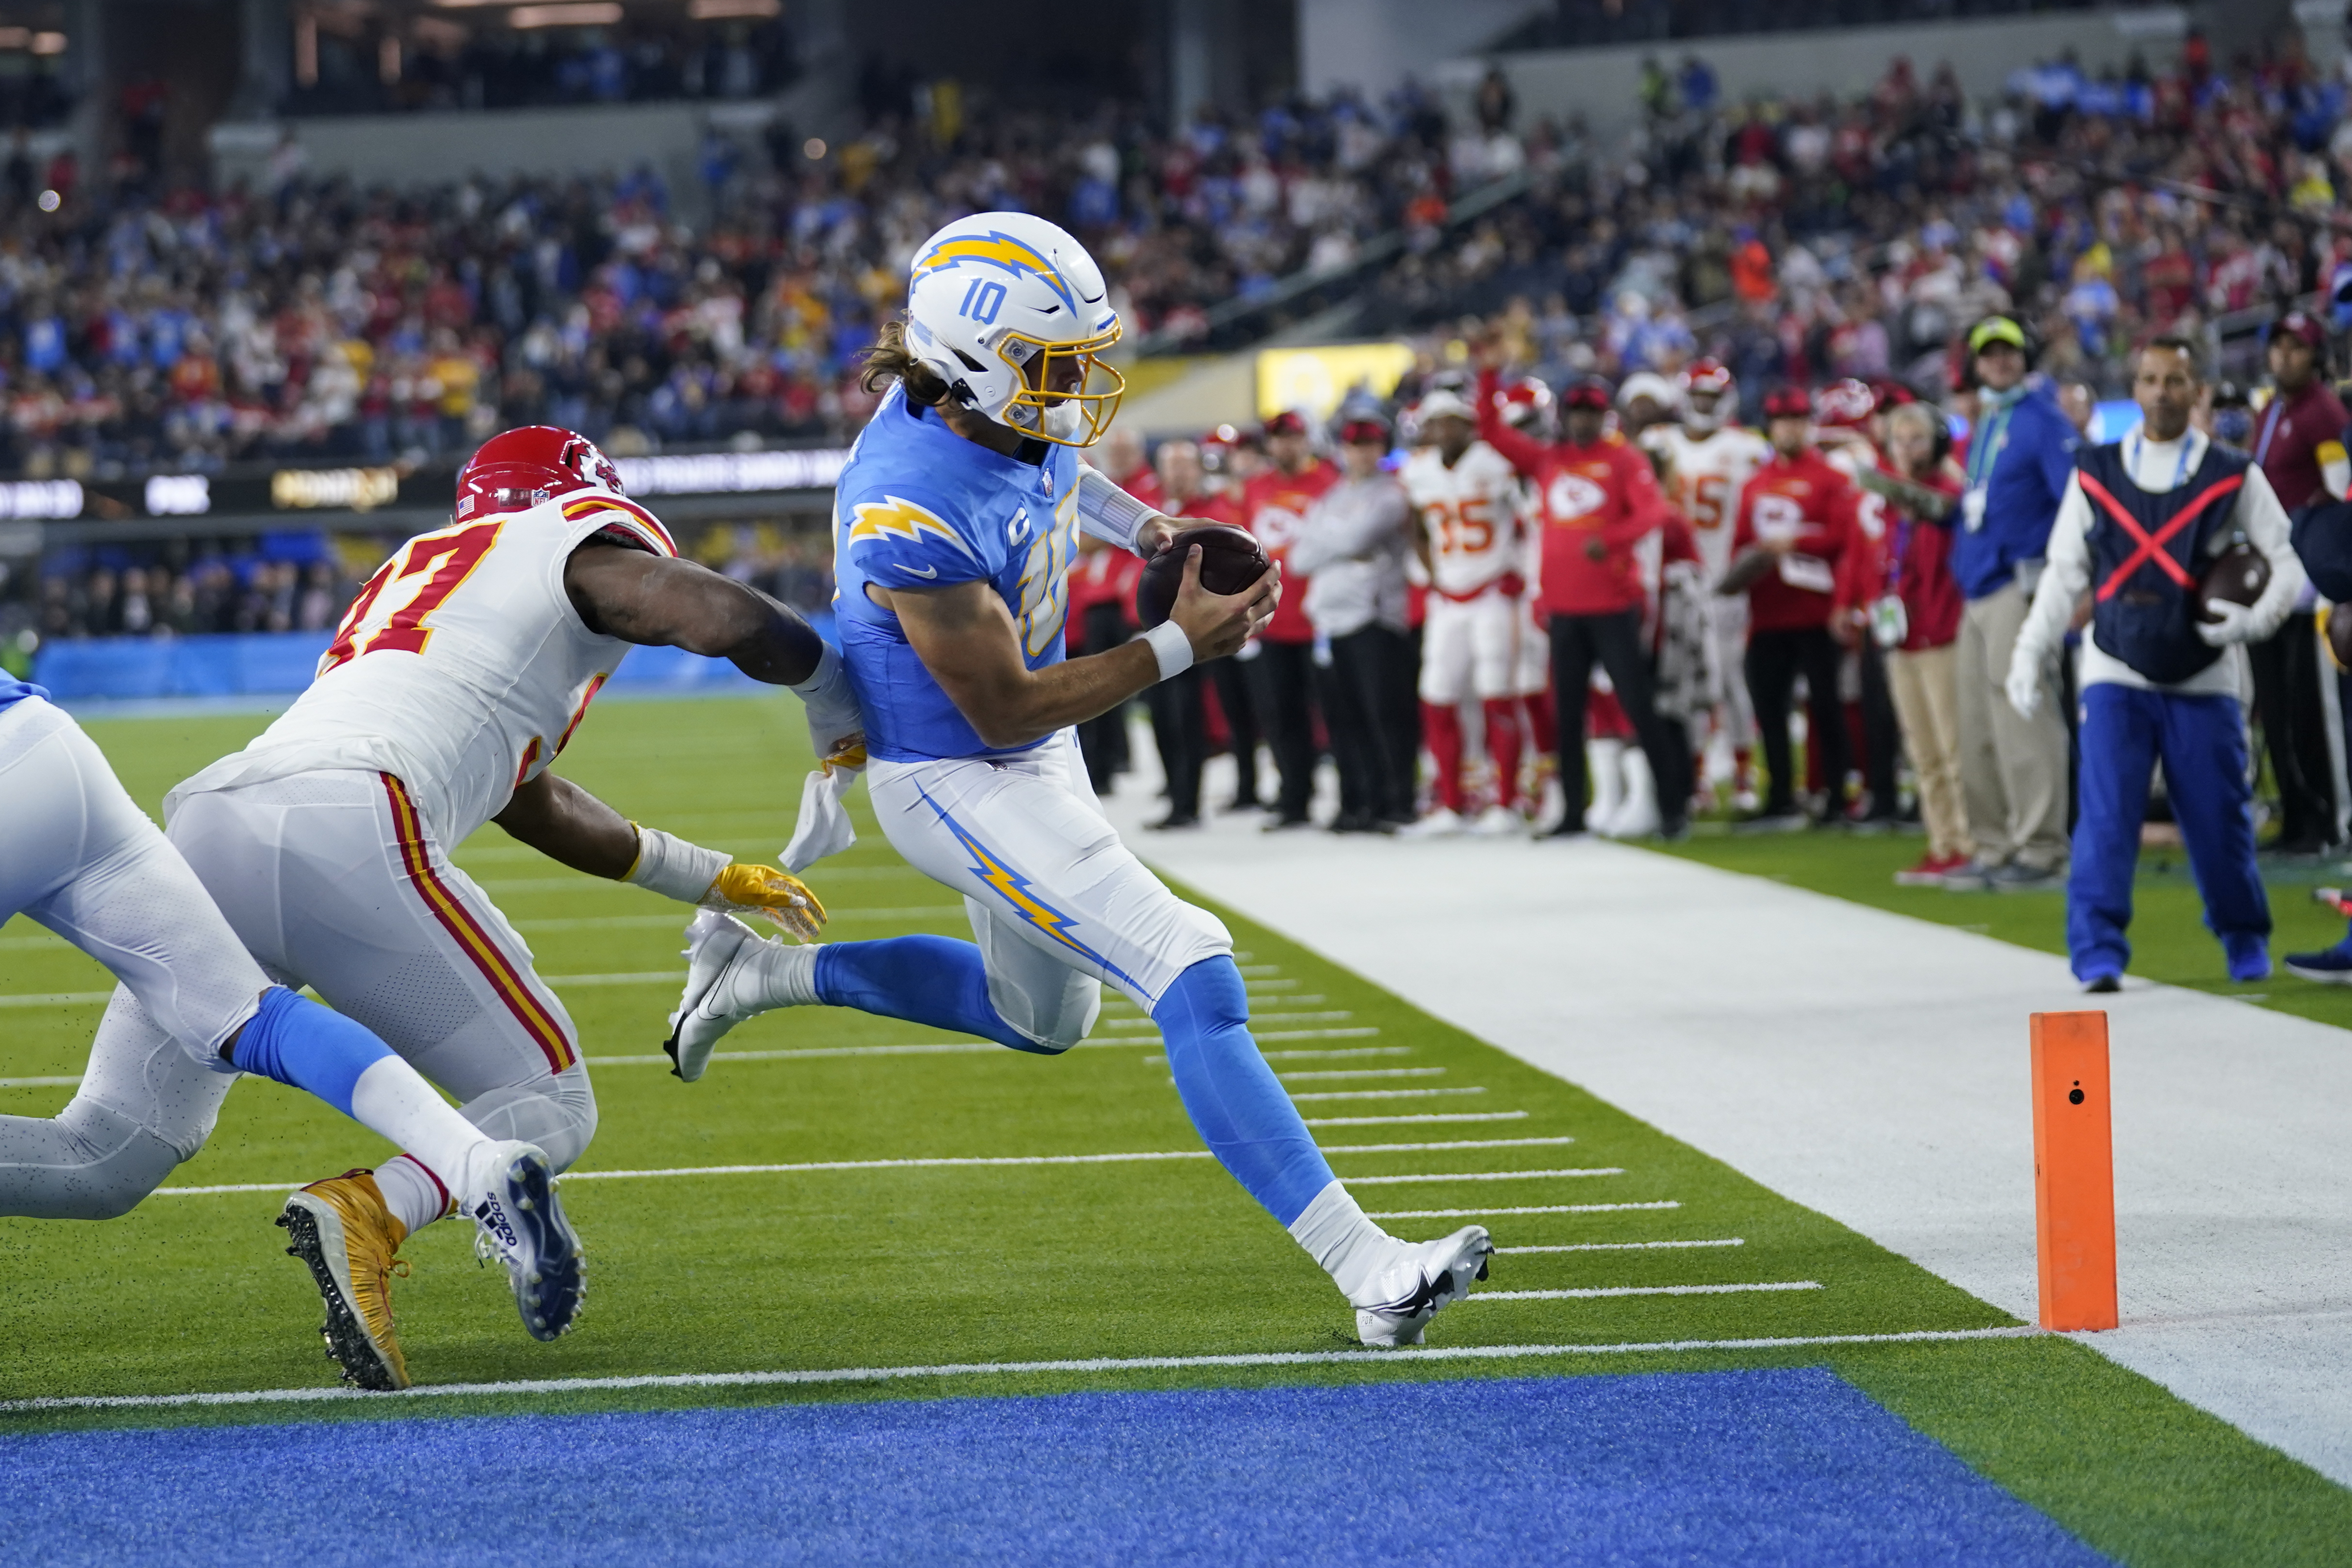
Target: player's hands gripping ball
column 747, row 889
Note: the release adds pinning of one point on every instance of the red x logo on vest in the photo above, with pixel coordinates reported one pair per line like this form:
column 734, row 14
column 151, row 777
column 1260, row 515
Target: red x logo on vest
column 2151, row 546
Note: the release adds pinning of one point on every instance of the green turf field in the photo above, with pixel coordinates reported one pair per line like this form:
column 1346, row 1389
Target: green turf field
column 923, row 1265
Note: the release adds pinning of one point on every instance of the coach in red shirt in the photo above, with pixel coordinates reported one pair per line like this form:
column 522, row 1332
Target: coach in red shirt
column 1282, row 670
column 2299, row 446
column 1796, row 521
column 1598, row 499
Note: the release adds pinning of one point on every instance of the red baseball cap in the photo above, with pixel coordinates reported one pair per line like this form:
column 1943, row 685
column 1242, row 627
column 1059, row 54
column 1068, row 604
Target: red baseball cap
column 2304, row 326
column 1365, row 431
column 1788, row 403
column 1589, row 392
column 1289, row 421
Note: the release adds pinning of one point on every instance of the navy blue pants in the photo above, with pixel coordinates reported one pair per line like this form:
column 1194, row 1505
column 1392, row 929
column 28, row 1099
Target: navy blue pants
column 2202, row 741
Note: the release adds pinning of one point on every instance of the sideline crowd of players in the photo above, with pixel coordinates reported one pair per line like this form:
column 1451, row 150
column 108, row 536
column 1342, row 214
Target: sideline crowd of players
column 1608, row 601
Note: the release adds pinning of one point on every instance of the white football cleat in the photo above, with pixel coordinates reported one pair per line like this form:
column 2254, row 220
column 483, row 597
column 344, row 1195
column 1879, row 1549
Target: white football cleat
column 1443, row 822
column 1498, row 821
column 1423, row 1282
column 1554, row 810
column 714, row 945
column 518, row 1221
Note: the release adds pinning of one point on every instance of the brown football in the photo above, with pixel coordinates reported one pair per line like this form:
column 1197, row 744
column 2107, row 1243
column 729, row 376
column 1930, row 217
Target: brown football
column 1231, row 559
column 2238, row 575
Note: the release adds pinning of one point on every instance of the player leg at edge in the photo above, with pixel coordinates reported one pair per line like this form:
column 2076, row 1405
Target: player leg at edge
column 90, row 866
column 1232, row 1097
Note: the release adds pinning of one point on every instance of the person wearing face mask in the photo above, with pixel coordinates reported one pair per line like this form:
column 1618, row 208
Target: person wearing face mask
column 2161, row 669
column 2298, row 441
column 2012, row 769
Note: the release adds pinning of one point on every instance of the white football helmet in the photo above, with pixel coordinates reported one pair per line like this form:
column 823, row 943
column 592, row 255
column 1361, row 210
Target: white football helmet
column 1013, row 314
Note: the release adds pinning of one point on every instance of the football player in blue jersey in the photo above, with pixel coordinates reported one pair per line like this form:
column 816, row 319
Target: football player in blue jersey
column 956, row 522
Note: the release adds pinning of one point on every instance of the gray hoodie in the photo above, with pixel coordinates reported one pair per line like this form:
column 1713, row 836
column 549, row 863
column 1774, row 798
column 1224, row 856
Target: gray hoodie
column 1353, row 547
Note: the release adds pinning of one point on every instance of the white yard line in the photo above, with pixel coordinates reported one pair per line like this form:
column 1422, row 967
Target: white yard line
column 1383, row 1359
column 678, row 919
column 56, row 999
column 1424, row 1116
column 1539, row 1209
column 1620, row 1246
column 1255, row 1021
column 1383, row 1093
column 1875, row 1068
column 66, row 1080
column 938, row 1162
column 1600, row 1292
column 1479, row 1176
column 1364, row 1072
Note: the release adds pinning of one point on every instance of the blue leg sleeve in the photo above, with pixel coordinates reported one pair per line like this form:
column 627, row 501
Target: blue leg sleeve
column 933, row 980
column 1231, row 1095
column 293, row 1041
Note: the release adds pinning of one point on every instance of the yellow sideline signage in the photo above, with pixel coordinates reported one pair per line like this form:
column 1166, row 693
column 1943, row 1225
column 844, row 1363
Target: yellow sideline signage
column 360, row 489
column 1313, row 380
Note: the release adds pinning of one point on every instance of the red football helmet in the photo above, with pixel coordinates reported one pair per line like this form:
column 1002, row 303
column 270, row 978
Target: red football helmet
column 528, row 466
column 1526, row 404
column 1710, row 380
column 1845, row 405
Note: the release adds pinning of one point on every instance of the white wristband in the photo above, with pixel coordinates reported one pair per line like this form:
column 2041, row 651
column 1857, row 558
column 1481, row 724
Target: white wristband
column 1170, row 646
column 671, row 866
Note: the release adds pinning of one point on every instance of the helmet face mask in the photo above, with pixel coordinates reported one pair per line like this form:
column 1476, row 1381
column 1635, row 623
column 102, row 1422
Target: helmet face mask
column 1709, row 396
column 1013, row 314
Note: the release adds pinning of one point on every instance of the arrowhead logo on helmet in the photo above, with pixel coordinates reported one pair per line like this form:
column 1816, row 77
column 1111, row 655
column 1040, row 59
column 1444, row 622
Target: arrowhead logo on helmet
column 1013, row 314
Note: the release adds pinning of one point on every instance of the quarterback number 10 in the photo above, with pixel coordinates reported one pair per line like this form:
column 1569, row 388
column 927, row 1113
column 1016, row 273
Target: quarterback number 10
column 981, row 302
column 455, row 552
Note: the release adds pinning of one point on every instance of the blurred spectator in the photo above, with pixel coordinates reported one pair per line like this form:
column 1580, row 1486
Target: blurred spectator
column 1272, row 504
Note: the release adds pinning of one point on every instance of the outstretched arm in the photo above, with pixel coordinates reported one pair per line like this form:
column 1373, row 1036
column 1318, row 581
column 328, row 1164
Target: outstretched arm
column 966, row 639
column 662, row 602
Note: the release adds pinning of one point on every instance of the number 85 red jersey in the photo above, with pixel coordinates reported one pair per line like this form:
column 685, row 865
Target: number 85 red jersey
column 462, row 668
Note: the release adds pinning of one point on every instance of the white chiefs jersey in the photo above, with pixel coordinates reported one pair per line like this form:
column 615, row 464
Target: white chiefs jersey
column 1472, row 514
column 1704, row 475
column 461, row 669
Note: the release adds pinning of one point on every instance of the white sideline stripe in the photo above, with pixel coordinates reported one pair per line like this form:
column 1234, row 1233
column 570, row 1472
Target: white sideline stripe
column 939, row 1161
column 1367, row 1073
column 927, row 1048
column 1426, row 1116
column 1622, row 1246
column 1639, row 1290
column 623, row 922
column 1381, row 1358
column 1383, row 1093
column 1479, row 1176
column 65, row 1081
column 1543, row 1209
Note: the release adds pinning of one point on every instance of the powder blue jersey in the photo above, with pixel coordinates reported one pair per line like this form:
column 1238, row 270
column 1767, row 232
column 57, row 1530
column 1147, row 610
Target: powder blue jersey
column 13, row 691
column 919, row 507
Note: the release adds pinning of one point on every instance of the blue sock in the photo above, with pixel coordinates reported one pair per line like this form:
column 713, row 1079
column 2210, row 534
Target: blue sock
column 317, row 1048
column 933, row 980
column 1231, row 1095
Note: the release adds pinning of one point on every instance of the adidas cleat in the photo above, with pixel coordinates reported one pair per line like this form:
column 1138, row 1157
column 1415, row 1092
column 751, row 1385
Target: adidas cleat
column 518, row 1221
column 1427, row 1278
column 714, row 944
column 342, row 1228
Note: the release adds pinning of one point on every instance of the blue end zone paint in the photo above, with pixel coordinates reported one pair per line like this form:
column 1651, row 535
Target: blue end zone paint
column 1780, row 1467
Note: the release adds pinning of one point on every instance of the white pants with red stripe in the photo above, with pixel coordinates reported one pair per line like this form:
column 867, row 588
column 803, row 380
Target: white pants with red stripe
column 329, row 880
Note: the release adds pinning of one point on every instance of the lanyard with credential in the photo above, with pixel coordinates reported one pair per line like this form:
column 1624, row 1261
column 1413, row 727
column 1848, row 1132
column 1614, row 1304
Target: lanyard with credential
column 1987, row 448
column 2270, row 428
column 2138, row 445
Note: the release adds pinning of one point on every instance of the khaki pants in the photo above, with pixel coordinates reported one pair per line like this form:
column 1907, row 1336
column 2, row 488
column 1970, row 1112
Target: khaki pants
column 1928, row 707
column 2012, row 769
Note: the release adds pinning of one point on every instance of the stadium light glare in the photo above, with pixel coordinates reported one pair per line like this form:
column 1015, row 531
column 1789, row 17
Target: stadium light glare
column 48, row 43
column 595, row 14
column 723, row 10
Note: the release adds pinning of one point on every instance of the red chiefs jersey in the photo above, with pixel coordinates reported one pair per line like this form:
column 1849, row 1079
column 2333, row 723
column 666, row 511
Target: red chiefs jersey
column 1273, row 506
column 1909, row 557
column 1805, row 500
column 1606, row 491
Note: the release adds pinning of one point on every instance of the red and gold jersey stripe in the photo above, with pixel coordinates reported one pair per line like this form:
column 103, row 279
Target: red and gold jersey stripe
column 632, row 517
column 505, row 977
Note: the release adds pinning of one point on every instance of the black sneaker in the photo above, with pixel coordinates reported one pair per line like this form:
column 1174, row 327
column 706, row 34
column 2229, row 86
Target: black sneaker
column 1173, row 820
column 2016, row 877
column 1788, row 821
column 1283, row 824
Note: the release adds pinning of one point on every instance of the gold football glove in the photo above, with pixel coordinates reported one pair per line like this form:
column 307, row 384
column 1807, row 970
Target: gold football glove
column 849, row 753
column 747, row 889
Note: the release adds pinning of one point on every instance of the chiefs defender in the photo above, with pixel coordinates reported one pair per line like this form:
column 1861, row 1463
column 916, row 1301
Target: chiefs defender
column 1706, row 459
column 1467, row 497
column 454, row 681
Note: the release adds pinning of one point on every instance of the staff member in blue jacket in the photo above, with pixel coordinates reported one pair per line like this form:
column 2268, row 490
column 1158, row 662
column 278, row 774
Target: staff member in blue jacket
column 2012, row 766
column 2163, row 675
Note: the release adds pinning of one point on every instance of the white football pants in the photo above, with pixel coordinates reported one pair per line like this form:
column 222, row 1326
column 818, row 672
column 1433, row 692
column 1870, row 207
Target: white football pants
column 1056, row 902
column 1473, row 648
column 79, row 857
